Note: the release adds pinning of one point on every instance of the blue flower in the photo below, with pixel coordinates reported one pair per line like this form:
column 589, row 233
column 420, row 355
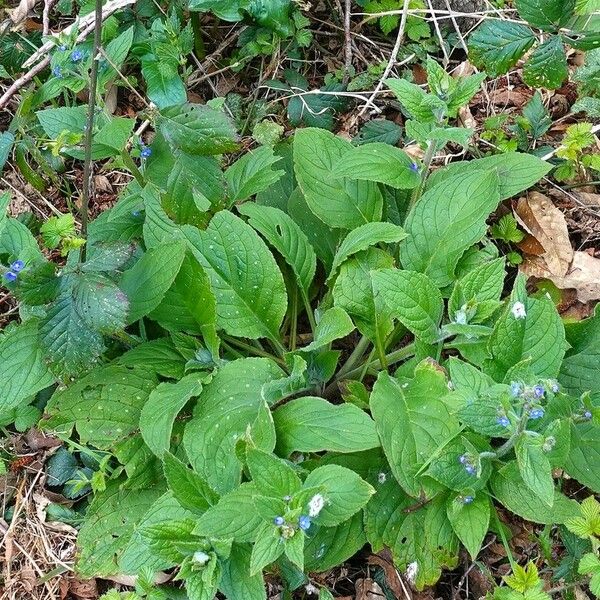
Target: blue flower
column 10, row 276
column 468, row 499
column 503, row 420
column 463, row 459
column 279, row 521
column 516, row 389
column 304, row 522
column 135, row 213
column 62, row 47
column 17, row 266
column 539, row 391
column 56, row 71
column 146, row 152
column 587, row 415
column 555, row 388
column 470, row 469
column 76, row 55
column 536, row 413
column 414, row 167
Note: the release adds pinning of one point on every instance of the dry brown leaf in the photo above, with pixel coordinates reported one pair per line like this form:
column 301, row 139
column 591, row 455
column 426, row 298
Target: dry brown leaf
column 392, row 577
column 583, row 275
column 368, row 589
column 588, row 199
column 19, row 14
column 537, row 214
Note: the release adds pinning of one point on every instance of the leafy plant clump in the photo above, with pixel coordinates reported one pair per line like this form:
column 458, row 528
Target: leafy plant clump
column 267, row 366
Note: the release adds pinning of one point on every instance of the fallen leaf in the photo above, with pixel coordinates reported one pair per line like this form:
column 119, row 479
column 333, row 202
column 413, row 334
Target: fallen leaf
column 537, row 214
column 368, row 589
column 583, row 275
column 588, row 199
column 19, row 14
column 392, row 576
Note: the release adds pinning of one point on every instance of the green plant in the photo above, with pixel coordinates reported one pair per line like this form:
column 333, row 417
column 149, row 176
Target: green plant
column 577, row 163
column 498, row 45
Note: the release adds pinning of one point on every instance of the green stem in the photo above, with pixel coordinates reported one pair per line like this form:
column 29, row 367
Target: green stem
column 512, row 440
column 380, row 345
column 133, row 168
column 294, row 320
column 429, row 153
column 309, row 312
column 253, row 350
column 199, row 48
column 500, row 527
column 356, row 355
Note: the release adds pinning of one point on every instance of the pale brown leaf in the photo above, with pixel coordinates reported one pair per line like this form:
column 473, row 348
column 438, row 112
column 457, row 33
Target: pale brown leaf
column 368, row 589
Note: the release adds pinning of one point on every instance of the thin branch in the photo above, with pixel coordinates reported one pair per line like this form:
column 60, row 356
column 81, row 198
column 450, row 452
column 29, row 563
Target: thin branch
column 89, row 131
column 347, row 42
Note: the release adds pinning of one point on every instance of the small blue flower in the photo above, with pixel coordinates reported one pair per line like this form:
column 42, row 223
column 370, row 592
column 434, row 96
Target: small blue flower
column 56, row 71
column 516, row 389
column 135, row 213
column 468, row 499
column 587, row 415
column 555, row 388
column 463, row 459
column 503, row 420
column 539, row 391
column 414, row 167
column 470, row 469
column 10, row 276
column 146, row 152
column 304, row 522
column 279, row 521
column 536, row 413
column 76, row 55
column 62, row 47
column 17, row 266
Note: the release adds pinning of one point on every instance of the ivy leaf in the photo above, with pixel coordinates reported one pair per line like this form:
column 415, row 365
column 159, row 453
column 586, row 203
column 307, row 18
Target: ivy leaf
column 379, row 162
column 227, row 406
column 413, row 299
column 547, row 66
column 23, row 371
column 146, row 283
column 197, row 129
column 535, row 468
column 548, row 15
column 497, row 45
column 448, row 219
column 470, row 521
column 252, row 173
column 247, row 283
column 312, row 424
column 338, row 202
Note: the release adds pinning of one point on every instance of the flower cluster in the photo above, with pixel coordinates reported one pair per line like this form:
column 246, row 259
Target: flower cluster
column 15, row 268
column 467, row 461
column 145, row 152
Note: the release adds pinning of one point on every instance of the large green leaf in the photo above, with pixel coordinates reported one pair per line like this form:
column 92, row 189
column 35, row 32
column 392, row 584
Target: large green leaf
column 338, row 202
column 104, row 406
column 312, row 425
column 582, row 462
column 549, row 15
column 161, row 409
column 379, row 162
column 470, row 521
column 497, row 45
column 287, row 238
column 446, row 220
column 413, row 299
column 416, row 102
column 535, row 468
column 236, row 581
column 146, row 283
column 197, row 129
column 247, row 283
column 412, row 421
column 547, row 66
column 23, row 371
column 7, row 140
column 164, row 85
column 228, row 405
column 333, row 324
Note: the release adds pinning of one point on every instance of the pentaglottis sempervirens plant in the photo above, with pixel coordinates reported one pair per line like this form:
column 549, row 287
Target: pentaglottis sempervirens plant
column 310, row 350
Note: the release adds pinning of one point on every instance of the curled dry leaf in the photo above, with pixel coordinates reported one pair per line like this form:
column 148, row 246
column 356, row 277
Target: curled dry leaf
column 368, row 589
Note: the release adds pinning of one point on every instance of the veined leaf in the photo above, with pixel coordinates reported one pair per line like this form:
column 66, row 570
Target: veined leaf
column 247, row 283
column 417, row 103
column 446, row 220
column 548, row 15
column 334, row 324
column 547, row 66
column 584, row 455
column 338, row 202
column 470, row 521
column 535, row 469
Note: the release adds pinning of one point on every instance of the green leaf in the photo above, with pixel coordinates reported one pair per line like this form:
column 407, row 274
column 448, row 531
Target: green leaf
column 110, row 522
column 547, row 66
column 252, row 173
column 103, row 406
column 23, row 371
column 344, row 491
column 227, row 406
column 584, row 455
column 160, row 356
column 539, row 337
column 338, row 202
column 233, row 517
column 379, row 162
column 470, row 521
column 590, row 565
column 313, row 425
column 197, row 129
column 161, row 410
column 353, row 291
column 418, row 104
column 538, row 116
column 412, row 422
column 189, row 489
column 446, row 220
column 7, row 140
column 115, row 134
column 247, row 283
column 268, row 547
column 548, row 15
column 236, row 581
column 497, row 45
column 379, row 130
column 363, row 237
column 164, row 85
column 117, row 51
column 287, row 238
column 413, row 299
column 535, row 468
column 334, row 324
column 146, row 283
column 516, row 171
column 272, row 476
column 56, row 120
column 510, row 489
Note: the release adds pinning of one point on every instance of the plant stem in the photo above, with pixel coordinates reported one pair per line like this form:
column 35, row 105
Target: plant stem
column 133, row 168
column 356, row 355
column 254, row 350
column 294, row 320
column 89, row 131
column 309, row 312
column 429, row 153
